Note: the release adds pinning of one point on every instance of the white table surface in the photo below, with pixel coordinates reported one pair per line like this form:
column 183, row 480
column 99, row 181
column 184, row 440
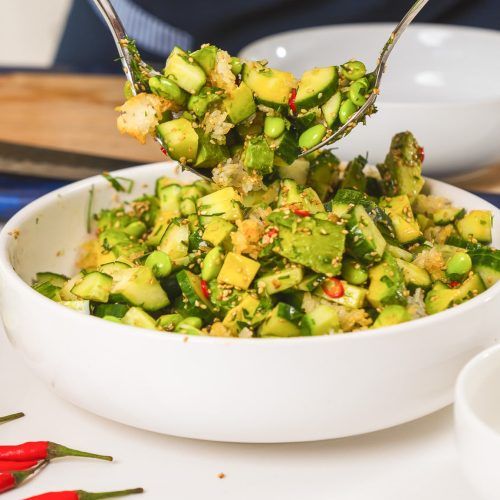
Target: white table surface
column 411, row 462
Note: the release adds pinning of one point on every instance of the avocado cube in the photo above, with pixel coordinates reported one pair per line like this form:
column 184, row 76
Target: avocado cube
column 320, row 321
column 476, row 225
column 238, row 271
column 206, row 57
column 244, row 312
column 386, row 283
column 225, row 203
column 239, row 104
column 217, row 231
column 392, row 315
column 258, row 155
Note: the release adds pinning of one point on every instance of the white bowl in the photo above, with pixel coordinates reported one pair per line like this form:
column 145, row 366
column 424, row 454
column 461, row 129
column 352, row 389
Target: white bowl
column 441, row 83
column 244, row 390
column 477, row 421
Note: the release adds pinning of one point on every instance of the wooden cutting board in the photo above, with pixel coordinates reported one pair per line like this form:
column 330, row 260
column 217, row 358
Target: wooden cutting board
column 76, row 113
column 68, row 112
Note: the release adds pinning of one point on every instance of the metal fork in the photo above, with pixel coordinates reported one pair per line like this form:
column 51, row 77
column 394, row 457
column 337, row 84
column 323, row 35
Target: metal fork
column 119, row 34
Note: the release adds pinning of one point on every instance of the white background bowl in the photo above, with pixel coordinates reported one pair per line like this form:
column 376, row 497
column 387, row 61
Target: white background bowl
column 245, row 390
column 441, row 83
column 477, row 421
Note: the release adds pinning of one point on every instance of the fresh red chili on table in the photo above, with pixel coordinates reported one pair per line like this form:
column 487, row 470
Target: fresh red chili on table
column 301, row 213
column 41, row 450
column 84, row 495
column 10, row 480
column 9, row 418
column 291, row 100
column 333, row 288
column 204, row 289
column 13, row 465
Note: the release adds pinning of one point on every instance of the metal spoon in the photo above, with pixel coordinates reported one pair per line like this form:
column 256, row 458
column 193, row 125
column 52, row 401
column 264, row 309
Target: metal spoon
column 378, row 72
column 119, row 35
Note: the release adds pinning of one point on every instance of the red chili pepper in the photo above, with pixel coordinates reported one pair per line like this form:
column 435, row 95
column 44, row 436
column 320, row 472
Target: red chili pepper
column 333, row 287
column 12, row 465
column 163, row 150
column 204, row 289
column 291, row 100
column 8, row 418
column 84, row 495
column 454, row 284
column 10, row 480
column 272, row 232
column 421, row 154
column 41, row 450
column 301, row 213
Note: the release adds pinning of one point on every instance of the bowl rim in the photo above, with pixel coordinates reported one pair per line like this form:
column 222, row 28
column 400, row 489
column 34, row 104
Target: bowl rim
column 8, row 273
column 389, row 27
column 463, row 406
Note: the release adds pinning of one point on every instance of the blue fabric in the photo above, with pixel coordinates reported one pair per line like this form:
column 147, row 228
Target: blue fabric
column 16, row 192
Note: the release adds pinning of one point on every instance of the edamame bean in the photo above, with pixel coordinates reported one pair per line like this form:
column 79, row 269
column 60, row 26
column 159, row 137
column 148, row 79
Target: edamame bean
column 353, row 272
column 159, row 262
column 191, row 321
column 212, row 264
column 136, row 229
column 353, row 70
column 347, row 108
column 274, row 126
column 187, row 206
column 312, row 136
column 358, row 91
column 165, row 87
column 236, row 65
column 187, row 329
column 459, row 265
column 113, row 319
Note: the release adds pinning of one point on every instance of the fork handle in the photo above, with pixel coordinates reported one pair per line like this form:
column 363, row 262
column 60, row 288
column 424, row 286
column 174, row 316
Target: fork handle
column 118, row 31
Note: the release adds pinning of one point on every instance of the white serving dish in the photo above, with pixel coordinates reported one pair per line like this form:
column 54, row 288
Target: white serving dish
column 432, row 87
column 477, row 421
column 243, row 390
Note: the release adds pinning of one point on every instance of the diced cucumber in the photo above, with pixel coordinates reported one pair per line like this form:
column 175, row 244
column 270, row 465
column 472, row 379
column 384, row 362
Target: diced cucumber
column 280, row 280
column 476, row 225
column 117, row 310
column 486, row 262
column 281, row 322
column 242, row 315
column 289, row 194
column 65, row 292
column 413, row 275
column 93, row 286
column 81, row 306
column 175, row 241
column 364, row 239
column 201, row 103
column 297, row 171
column 258, row 155
column 168, row 89
column 310, row 283
column 58, row 280
column 320, row 321
column 392, row 315
column 285, row 148
column 270, row 86
column 344, row 201
column 49, row 290
column 399, row 253
column 238, row 271
column 239, row 104
column 386, row 283
column 354, row 296
column 184, row 71
column 191, row 287
column 180, row 139
column 209, row 154
column 225, row 203
column 111, row 268
column 354, row 272
column 316, row 86
column 323, row 173
column 354, row 178
column 137, row 286
column 398, row 208
column 135, row 316
column 331, row 108
column 447, row 215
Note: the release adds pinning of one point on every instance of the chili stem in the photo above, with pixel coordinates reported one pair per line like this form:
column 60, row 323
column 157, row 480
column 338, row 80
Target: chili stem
column 8, row 418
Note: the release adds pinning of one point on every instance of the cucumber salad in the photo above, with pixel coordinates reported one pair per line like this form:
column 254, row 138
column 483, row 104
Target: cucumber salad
column 323, row 248
column 241, row 119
